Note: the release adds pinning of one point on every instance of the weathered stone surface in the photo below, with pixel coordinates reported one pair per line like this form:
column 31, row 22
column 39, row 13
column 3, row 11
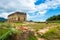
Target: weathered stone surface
column 23, row 36
column 17, row 17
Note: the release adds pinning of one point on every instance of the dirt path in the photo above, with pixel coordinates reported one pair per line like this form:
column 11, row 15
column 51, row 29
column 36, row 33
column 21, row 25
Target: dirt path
column 43, row 31
column 38, row 37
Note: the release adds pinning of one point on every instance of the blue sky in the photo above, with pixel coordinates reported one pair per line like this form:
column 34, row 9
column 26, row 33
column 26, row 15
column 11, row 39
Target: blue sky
column 37, row 10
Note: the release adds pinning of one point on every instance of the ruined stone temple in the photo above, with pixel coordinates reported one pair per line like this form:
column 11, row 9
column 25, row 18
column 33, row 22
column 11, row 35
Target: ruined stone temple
column 17, row 17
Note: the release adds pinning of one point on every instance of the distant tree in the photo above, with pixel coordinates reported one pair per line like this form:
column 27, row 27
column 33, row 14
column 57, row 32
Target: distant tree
column 58, row 17
column 2, row 19
column 54, row 18
column 31, row 21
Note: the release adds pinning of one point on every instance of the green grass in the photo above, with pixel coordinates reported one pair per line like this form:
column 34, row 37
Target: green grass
column 32, row 37
column 4, row 33
column 38, row 26
column 52, row 34
column 35, row 26
column 7, row 32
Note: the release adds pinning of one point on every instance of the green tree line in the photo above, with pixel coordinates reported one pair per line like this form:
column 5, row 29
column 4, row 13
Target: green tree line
column 54, row 18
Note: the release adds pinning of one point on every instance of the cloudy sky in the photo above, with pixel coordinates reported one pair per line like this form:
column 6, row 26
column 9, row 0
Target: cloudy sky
column 37, row 10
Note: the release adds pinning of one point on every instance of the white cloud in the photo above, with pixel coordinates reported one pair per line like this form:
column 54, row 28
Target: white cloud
column 48, row 5
column 27, row 6
column 44, row 7
column 5, row 14
column 23, row 5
